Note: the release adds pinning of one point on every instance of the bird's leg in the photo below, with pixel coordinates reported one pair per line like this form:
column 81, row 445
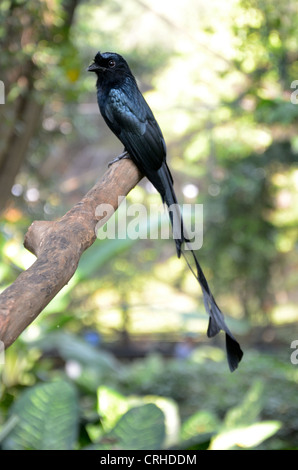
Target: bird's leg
column 124, row 154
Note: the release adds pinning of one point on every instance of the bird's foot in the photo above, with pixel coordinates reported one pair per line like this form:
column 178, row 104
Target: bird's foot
column 122, row 155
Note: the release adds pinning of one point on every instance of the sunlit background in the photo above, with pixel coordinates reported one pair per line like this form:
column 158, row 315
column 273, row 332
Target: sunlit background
column 123, row 346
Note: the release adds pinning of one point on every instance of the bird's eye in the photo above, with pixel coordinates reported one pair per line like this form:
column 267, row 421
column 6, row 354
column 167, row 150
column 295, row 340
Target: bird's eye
column 111, row 63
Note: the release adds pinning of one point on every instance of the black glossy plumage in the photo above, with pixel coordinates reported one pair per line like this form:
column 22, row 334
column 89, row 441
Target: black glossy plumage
column 128, row 115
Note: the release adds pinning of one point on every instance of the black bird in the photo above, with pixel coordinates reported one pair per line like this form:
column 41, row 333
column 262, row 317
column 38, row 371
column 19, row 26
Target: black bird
column 128, row 115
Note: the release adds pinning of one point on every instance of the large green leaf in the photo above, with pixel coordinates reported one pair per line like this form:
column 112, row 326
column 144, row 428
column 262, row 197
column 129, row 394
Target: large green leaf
column 47, row 418
column 201, row 422
column 247, row 412
column 245, row 437
column 112, row 406
column 140, row 428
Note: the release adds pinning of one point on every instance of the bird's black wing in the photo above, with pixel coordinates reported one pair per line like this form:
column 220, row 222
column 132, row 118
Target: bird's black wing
column 130, row 118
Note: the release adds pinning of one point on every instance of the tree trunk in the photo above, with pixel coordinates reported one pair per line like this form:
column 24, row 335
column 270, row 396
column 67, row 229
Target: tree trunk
column 20, row 118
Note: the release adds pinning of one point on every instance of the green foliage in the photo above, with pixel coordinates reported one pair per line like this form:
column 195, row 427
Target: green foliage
column 228, row 414
column 246, row 437
column 140, row 428
column 240, row 427
column 112, row 405
column 45, row 418
column 258, row 388
column 249, row 410
column 70, row 347
column 152, row 403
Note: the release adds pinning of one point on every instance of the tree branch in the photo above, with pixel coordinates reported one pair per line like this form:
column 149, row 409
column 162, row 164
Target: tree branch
column 58, row 246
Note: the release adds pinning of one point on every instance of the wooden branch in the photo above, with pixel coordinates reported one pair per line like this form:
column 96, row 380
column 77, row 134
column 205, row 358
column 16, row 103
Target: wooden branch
column 58, row 246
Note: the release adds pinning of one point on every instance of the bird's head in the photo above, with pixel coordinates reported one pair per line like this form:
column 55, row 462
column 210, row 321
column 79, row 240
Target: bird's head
column 109, row 66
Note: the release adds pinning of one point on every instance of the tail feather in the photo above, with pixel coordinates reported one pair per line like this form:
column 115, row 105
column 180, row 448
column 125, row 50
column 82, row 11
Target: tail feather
column 216, row 317
column 169, row 197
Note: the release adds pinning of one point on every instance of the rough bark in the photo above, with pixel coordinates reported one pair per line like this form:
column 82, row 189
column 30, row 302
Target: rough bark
column 58, row 246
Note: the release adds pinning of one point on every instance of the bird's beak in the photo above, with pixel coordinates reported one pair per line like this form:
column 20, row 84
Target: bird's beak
column 94, row 67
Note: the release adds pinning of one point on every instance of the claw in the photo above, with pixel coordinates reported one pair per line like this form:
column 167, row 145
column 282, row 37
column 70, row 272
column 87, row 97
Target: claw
column 120, row 157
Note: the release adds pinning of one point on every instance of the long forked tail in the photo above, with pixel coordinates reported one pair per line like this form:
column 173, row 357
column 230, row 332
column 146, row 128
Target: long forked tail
column 216, row 317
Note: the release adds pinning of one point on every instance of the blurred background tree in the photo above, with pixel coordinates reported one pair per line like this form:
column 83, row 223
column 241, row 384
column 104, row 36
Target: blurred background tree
column 219, row 78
